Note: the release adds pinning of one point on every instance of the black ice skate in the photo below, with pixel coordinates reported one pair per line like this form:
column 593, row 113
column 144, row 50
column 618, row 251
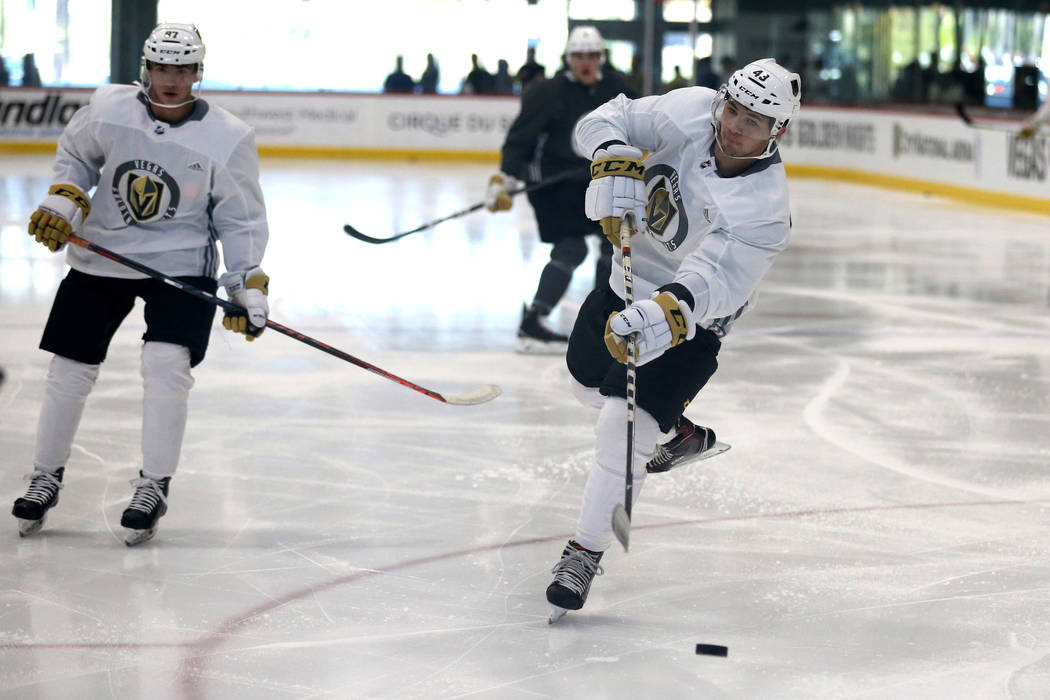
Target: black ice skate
column 691, row 443
column 572, row 579
column 535, row 338
column 148, row 503
column 42, row 495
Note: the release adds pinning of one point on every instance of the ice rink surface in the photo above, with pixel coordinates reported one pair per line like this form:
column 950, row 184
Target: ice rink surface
column 880, row 529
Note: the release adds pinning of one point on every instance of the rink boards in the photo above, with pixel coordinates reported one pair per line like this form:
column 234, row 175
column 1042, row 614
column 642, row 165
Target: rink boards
column 936, row 153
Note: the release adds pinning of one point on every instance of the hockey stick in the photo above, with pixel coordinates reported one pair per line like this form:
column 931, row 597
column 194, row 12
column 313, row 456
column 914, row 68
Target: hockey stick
column 535, row 186
column 479, row 395
column 960, row 109
column 621, row 515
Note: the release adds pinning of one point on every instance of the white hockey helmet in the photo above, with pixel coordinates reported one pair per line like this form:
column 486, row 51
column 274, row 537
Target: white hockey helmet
column 765, row 87
column 584, row 40
column 173, row 44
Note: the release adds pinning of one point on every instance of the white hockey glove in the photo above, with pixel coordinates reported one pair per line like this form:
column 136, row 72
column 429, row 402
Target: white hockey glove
column 658, row 323
column 247, row 289
column 497, row 197
column 617, row 186
column 59, row 215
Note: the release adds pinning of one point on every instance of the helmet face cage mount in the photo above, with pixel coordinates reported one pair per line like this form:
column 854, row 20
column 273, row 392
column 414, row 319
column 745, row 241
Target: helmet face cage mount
column 764, row 87
column 174, row 45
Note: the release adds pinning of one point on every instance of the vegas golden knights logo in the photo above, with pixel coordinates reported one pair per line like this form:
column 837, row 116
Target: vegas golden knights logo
column 144, row 196
column 659, row 210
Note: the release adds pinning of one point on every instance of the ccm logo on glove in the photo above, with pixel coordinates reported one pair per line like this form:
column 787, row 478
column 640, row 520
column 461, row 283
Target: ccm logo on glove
column 625, row 167
column 657, row 324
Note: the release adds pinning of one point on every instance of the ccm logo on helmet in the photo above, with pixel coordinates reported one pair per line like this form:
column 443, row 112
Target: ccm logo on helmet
column 744, row 90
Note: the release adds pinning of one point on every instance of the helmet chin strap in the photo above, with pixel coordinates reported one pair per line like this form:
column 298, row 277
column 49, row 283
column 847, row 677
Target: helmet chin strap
column 765, row 154
column 145, row 91
column 145, row 83
column 167, row 106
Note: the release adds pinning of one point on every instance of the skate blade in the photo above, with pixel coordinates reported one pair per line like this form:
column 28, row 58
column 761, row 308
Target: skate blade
column 621, row 525
column 531, row 346
column 134, row 537
column 28, row 527
column 556, row 614
column 716, row 449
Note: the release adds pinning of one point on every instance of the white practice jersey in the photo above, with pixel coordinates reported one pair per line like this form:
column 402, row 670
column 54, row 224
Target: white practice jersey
column 715, row 235
column 165, row 193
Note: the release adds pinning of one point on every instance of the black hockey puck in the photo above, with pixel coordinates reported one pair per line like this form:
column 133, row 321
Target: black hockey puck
column 712, row 650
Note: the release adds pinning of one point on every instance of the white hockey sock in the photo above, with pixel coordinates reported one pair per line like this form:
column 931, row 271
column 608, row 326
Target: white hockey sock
column 166, row 384
column 605, row 483
column 592, row 398
column 68, row 384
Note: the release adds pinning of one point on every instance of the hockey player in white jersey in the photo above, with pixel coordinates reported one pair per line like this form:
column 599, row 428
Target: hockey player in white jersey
column 712, row 196
column 172, row 175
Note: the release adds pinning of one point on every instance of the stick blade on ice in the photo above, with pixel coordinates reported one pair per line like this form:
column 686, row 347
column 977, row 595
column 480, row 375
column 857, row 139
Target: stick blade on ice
column 482, row 394
column 621, row 525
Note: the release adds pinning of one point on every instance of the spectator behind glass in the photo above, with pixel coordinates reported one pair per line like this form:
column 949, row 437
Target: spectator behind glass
column 974, row 84
column 530, row 71
column 429, row 82
column 727, row 66
column 478, row 81
column 503, row 82
column 5, row 77
column 678, row 81
column 930, row 78
column 30, row 75
column 399, row 81
column 705, row 76
column 636, row 79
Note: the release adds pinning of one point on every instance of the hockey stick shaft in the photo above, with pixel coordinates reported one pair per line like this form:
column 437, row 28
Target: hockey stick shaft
column 621, row 518
column 284, row 330
column 960, row 109
column 462, row 212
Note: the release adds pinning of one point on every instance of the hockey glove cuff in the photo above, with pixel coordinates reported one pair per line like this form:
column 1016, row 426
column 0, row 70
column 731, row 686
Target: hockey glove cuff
column 658, row 324
column 249, row 290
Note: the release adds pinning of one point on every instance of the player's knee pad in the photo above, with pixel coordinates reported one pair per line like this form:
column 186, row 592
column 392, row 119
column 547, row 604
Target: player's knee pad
column 569, row 252
column 588, row 396
column 166, row 370
column 612, row 437
column 70, row 378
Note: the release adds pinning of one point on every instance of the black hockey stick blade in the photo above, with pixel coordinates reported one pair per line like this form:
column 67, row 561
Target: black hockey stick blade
column 350, row 230
column 372, row 239
column 621, row 525
column 960, row 109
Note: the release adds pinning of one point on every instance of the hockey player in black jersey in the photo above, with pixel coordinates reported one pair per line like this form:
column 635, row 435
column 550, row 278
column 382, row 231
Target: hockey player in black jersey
column 539, row 146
